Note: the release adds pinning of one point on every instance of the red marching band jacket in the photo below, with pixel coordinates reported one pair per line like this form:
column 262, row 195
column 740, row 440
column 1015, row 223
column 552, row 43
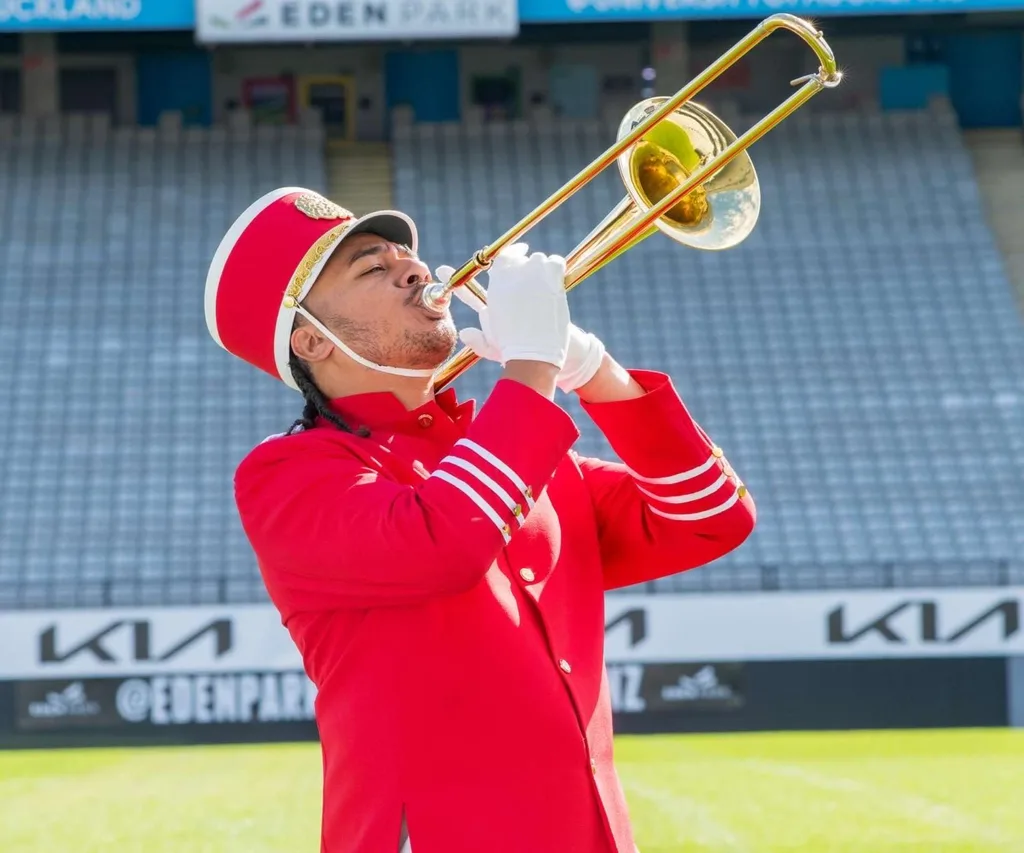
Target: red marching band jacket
column 444, row 581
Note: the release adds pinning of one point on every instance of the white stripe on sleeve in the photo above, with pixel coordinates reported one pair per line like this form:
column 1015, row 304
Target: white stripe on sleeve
column 486, row 455
column 474, row 496
column 502, row 495
column 697, row 516
column 685, row 499
column 676, row 478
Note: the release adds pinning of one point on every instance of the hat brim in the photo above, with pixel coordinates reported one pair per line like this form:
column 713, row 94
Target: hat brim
column 393, row 225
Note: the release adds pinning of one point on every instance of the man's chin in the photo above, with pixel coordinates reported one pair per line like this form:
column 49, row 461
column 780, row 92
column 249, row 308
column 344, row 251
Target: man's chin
column 443, row 354
column 429, row 351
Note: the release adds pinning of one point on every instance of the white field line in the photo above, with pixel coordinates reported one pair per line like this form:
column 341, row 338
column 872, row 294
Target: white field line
column 688, row 817
column 916, row 807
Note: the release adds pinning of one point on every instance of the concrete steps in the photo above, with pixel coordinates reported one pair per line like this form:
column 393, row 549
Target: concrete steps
column 359, row 175
column 999, row 165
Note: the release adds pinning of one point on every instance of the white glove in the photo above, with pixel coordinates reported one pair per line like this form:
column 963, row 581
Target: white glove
column 585, row 351
column 527, row 312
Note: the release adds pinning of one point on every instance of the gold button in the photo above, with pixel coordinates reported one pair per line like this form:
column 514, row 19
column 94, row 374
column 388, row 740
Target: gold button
column 716, row 452
column 593, row 766
column 527, row 575
column 425, row 420
column 743, row 491
column 564, row 665
column 517, row 511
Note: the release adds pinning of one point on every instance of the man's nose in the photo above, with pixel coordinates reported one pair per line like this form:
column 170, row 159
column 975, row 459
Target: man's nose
column 416, row 273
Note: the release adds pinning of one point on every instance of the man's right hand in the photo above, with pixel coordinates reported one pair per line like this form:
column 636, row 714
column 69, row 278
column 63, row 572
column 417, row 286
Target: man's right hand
column 526, row 319
column 527, row 313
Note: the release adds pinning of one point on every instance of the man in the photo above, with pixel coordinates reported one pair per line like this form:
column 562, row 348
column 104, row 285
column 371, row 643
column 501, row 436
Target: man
column 442, row 569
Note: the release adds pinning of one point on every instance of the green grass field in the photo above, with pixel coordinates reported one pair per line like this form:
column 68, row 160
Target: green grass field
column 860, row 792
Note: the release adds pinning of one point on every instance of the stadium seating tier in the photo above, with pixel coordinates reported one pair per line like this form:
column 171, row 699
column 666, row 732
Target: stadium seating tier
column 858, row 357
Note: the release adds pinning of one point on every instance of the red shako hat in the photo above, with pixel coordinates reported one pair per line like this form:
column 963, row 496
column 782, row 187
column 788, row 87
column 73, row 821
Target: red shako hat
column 268, row 261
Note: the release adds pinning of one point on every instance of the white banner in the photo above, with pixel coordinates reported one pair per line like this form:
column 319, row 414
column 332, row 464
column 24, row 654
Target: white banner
column 144, row 641
column 639, row 629
column 815, row 625
column 221, row 21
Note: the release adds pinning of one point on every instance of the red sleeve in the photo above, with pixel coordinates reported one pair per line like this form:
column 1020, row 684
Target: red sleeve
column 330, row 531
column 673, row 503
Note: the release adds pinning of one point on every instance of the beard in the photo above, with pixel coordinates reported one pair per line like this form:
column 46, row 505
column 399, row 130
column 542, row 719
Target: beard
column 425, row 348
column 382, row 343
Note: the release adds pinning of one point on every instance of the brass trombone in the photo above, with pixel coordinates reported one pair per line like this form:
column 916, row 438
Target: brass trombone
column 686, row 174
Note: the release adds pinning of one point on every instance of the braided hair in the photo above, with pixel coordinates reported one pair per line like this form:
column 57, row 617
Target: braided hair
column 316, row 402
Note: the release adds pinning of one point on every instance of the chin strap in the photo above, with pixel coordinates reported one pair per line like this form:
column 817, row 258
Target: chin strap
column 380, row 368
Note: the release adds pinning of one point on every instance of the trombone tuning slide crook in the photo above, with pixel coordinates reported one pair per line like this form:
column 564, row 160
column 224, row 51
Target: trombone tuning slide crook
column 687, row 175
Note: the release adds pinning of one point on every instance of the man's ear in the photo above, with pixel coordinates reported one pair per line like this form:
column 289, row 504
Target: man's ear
column 309, row 345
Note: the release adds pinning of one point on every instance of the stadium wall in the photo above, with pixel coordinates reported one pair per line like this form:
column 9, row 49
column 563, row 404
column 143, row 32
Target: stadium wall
column 676, row 663
column 730, row 697
column 575, row 79
column 578, row 71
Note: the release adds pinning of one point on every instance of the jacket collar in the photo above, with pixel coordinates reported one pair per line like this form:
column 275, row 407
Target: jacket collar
column 383, row 410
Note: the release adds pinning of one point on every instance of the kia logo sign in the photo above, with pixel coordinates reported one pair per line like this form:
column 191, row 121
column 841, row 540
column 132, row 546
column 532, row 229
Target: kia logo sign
column 914, row 621
column 635, row 621
column 131, row 641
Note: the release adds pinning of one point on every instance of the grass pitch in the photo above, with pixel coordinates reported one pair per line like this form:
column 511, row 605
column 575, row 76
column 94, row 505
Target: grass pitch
column 848, row 792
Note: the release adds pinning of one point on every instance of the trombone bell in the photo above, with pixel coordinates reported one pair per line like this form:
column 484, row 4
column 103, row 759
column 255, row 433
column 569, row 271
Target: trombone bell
column 717, row 214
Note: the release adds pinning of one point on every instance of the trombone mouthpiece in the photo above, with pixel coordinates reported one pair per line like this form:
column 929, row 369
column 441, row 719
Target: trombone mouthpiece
column 435, row 297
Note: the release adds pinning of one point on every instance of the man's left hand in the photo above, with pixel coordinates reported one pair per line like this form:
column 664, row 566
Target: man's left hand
column 585, row 355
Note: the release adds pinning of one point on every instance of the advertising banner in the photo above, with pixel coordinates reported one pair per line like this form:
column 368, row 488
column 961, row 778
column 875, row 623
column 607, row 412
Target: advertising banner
column 221, row 21
column 239, row 698
column 161, row 701
column 645, row 629
column 896, row 623
column 64, row 15
column 638, row 688
column 564, row 11
column 144, row 641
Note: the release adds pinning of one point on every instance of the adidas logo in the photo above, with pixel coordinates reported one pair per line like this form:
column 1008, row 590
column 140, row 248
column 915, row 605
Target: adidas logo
column 703, row 684
column 70, row 702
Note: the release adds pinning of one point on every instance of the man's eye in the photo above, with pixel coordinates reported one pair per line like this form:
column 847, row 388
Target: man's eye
column 375, row 268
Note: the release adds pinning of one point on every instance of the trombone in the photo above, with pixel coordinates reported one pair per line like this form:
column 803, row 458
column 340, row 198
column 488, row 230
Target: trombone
column 686, row 175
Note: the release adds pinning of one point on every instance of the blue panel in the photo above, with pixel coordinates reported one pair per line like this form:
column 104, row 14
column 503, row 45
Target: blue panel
column 531, row 11
column 174, row 81
column 426, row 80
column 985, row 77
column 910, row 87
column 66, row 15
column 574, row 91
